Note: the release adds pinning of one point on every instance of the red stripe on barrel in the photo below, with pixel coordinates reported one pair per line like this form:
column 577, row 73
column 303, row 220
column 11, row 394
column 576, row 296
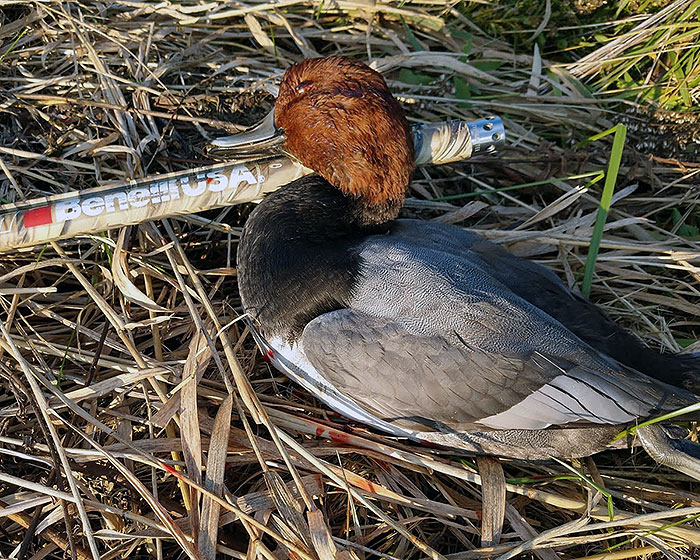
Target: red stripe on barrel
column 38, row 217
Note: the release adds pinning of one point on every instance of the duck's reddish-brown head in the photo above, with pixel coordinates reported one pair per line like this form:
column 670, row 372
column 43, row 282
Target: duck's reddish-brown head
column 340, row 120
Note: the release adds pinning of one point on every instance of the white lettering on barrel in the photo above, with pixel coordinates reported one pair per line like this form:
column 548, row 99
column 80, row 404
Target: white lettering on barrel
column 139, row 197
column 120, row 197
column 189, row 190
column 93, row 206
column 68, row 210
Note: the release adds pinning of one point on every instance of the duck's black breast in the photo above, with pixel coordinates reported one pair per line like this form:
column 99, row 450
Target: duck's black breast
column 298, row 256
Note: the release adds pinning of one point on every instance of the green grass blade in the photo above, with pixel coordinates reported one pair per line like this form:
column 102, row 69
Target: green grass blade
column 669, row 416
column 620, row 132
column 657, row 530
column 411, row 37
column 588, row 482
column 14, row 43
column 597, row 175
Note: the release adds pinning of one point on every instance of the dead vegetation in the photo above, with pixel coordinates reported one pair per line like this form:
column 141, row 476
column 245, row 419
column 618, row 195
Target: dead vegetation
column 131, row 428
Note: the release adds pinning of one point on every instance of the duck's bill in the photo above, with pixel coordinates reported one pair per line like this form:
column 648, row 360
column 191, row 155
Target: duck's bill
column 262, row 139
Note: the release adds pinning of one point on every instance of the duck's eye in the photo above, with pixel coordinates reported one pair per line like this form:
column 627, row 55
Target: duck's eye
column 304, row 86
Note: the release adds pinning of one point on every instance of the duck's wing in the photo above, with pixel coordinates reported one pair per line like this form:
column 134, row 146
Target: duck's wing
column 543, row 289
column 429, row 380
column 532, row 282
column 433, row 338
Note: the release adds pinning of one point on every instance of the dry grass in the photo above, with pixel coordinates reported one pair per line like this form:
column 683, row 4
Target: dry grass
column 160, row 432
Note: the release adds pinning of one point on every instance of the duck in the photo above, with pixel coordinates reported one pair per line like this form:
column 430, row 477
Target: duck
column 420, row 329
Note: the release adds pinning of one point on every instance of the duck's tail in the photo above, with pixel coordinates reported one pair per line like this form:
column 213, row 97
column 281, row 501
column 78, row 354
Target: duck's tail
column 681, row 370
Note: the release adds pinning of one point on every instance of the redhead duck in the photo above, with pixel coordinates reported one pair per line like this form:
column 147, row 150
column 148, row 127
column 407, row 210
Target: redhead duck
column 421, row 329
